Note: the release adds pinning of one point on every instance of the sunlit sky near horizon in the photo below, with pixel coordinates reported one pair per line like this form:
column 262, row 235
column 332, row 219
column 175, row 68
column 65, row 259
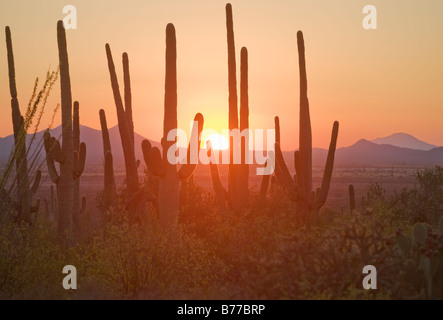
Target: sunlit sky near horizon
column 374, row 82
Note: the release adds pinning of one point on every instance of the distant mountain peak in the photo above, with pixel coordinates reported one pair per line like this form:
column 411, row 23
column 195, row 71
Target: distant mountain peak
column 404, row 140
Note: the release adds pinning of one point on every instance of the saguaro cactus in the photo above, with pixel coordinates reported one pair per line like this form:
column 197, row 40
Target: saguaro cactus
column 238, row 194
column 301, row 190
column 25, row 191
column 243, row 172
column 234, row 194
column 109, row 178
column 157, row 163
column 71, row 162
column 125, row 124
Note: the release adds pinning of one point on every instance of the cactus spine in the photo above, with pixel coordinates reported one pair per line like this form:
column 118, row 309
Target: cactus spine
column 25, row 191
column 109, row 179
column 301, row 189
column 125, row 124
column 156, row 162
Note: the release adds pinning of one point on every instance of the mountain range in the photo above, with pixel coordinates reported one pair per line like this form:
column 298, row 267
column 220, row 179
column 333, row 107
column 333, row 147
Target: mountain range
column 397, row 149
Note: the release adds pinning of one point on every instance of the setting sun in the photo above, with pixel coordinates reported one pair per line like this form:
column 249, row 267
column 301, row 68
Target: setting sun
column 218, row 141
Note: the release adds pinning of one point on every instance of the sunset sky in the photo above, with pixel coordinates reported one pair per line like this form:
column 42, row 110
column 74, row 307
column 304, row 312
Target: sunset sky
column 374, row 82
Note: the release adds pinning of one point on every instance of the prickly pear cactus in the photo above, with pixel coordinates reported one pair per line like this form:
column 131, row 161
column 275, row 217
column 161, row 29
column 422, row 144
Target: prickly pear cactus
column 424, row 253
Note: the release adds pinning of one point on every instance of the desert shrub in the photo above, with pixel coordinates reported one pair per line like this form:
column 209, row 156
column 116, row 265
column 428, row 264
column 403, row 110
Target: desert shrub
column 31, row 262
column 323, row 262
column 144, row 261
column 263, row 253
column 424, row 202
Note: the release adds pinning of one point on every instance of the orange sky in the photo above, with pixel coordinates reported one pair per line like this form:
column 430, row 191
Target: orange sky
column 374, row 82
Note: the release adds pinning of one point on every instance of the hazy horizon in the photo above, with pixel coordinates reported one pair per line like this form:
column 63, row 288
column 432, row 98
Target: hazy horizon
column 364, row 79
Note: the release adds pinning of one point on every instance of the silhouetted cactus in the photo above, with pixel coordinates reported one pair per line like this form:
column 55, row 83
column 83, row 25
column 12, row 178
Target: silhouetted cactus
column 238, row 180
column 25, row 190
column 72, row 162
column 109, row 190
column 125, row 125
column 243, row 172
column 79, row 166
column 157, row 163
column 301, row 190
column 234, row 194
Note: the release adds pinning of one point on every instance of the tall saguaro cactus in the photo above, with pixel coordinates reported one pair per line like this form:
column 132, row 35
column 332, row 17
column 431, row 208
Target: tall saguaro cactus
column 125, row 123
column 238, row 180
column 301, row 189
column 71, row 161
column 243, row 174
column 25, row 191
column 156, row 161
column 234, row 194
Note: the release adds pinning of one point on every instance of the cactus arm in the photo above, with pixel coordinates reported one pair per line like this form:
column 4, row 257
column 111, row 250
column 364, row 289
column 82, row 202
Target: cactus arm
column 52, row 171
column 128, row 148
column 327, row 175
column 187, row 169
column 146, row 150
column 153, row 159
column 233, row 109
column 76, row 126
column 105, row 132
column 57, row 151
column 243, row 170
column 79, row 160
column 305, row 135
column 50, row 161
column 277, row 129
column 109, row 179
column 11, row 67
column 128, row 97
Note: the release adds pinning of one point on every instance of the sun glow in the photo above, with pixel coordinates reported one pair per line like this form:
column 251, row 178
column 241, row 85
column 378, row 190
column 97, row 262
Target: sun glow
column 218, row 141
